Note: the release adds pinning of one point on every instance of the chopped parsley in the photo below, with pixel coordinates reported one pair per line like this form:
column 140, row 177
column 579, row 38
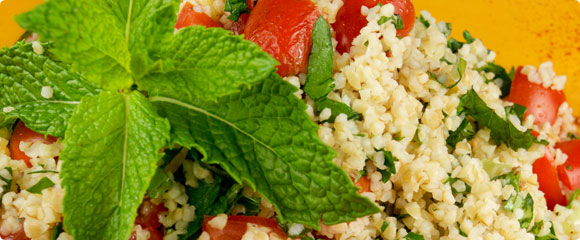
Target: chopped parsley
column 424, row 21
column 467, row 36
column 451, row 181
column 44, row 183
column 502, row 78
column 460, row 231
column 573, row 198
column 526, row 204
column 236, row 8
column 384, row 226
column 461, row 65
column 510, row 178
column 390, row 164
column 416, row 138
column 466, row 130
column 572, row 136
column 517, row 110
column 502, row 131
column 414, row 236
column 7, row 181
column 396, row 19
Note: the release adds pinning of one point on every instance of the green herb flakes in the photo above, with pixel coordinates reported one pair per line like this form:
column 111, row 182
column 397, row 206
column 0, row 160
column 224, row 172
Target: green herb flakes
column 44, row 183
column 414, row 236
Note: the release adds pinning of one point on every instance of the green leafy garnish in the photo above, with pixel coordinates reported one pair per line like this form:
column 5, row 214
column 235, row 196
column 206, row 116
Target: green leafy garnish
column 44, row 183
column 467, row 36
column 461, row 65
column 447, row 30
column 319, row 81
column 269, row 122
column 160, row 183
column 23, row 75
column 526, row 204
column 452, row 181
column 125, row 42
column 417, row 138
column 517, row 110
column 43, row 171
column 549, row 236
column 384, row 226
column 389, row 164
column 56, row 231
column 110, row 155
column 424, row 21
column 510, row 178
column 396, row 19
column 236, row 8
column 572, row 136
column 537, row 227
column 6, row 178
column 502, row 78
column 454, row 45
column 466, row 130
column 414, row 236
column 461, row 232
column 502, row 131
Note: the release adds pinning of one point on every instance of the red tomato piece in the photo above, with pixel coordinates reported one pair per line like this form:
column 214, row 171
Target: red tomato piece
column 283, row 28
column 189, row 17
column 363, row 183
column 23, row 134
column 569, row 172
column 548, row 180
column 239, row 26
column 148, row 214
column 20, row 235
column 154, row 234
column 237, row 226
column 349, row 20
column 541, row 102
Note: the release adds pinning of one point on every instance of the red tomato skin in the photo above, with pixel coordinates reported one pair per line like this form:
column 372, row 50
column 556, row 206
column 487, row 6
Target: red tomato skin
column 283, row 28
column 569, row 172
column 548, row 180
column 189, row 17
column 349, row 20
column 541, row 102
column 22, row 133
column 237, row 226
column 20, row 235
column 148, row 214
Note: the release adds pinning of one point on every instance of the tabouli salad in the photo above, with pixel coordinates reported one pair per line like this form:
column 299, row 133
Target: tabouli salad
column 276, row 119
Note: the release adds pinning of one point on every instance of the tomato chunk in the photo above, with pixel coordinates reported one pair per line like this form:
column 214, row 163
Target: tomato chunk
column 283, row 28
column 20, row 235
column 548, row 180
column 349, row 20
column 23, row 134
column 148, row 214
column 569, row 172
column 189, row 17
column 364, row 184
column 237, row 226
column 541, row 102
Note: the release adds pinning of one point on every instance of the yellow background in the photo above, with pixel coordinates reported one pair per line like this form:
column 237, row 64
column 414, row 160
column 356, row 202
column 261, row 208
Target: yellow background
column 519, row 31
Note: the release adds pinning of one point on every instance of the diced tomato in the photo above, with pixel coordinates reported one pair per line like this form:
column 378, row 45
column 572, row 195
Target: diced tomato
column 189, row 17
column 154, row 234
column 20, row 235
column 237, row 226
column 148, row 214
column 250, row 4
column 349, row 20
column 364, row 184
column 548, row 180
column 283, row 28
column 23, row 134
column 541, row 102
column 239, row 26
column 569, row 172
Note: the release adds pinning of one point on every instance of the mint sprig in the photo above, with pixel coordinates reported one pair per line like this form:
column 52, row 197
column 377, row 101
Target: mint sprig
column 262, row 136
column 111, row 151
column 23, row 75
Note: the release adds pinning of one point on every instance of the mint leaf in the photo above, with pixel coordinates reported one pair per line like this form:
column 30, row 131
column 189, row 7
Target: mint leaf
column 108, row 41
column 208, row 63
column 42, row 184
column 502, row 79
column 502, row 131
column 23, row 74
column 262, row 136
column 466, row 130
column 160, row 183
column 319, row 80
column 390, row 166
column 110, row 155
column 236, row 8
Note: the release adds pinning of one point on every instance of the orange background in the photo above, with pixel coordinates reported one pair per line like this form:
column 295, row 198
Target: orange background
column 519, row 31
